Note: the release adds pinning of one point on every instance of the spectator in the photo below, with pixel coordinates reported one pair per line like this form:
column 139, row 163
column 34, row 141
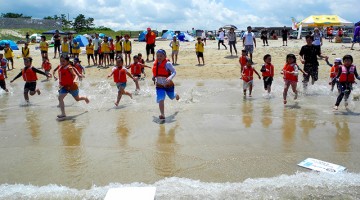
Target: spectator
column 249, row 42
column 284, row 34
column 356, row 38
column 150, row 43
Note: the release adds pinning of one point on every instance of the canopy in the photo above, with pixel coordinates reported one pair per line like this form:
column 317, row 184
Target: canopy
column 228, row 27
column 142, row 36
column 324, row 20
column 168, row 35
column 12, row 44
column 52, row 32
column 82, row 40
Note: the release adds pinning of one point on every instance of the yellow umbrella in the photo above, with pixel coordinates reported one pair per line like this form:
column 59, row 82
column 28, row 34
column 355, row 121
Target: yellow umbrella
column 324, row 20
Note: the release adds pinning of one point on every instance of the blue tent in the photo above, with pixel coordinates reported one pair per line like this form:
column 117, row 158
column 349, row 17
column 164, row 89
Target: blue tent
column 185, row 37
column 12, row 44
column 101, row 35
column 142, row 36
column 52, row 32
column 82, row 40
column 168, row 35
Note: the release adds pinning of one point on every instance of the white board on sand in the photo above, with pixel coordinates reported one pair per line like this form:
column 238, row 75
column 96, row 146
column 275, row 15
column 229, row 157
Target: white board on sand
column 131, row 193
column 321, row 166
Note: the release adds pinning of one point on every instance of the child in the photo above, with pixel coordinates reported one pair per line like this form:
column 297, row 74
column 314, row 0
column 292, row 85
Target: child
column 142, row 61
column 242, row 60
column 44, row 46
column 46, row 65
column 76, row 49
column 3, row 64
column 101, row 55
column 2, row 80
column 105, row 50
column 90, row 52
column 247, row 77
column 112, row 51
column 118, row 47
column 267, row 70
column 174, row 44
column 9, row 55
column 127, row 49
column 346, row 76
column 25, row 51
column 199, row 49
column 136, row 71
column 119, row 73
column 67, row 82
column 333, row 72
column 80, row 69
column 65, row 47
column 29, row 75
column 291, row 72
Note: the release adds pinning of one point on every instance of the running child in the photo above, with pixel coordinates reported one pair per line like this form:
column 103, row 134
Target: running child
column 291, row 72
column 267, row 70
column 243, row 60
column 333, row 72
column 46, row 66
column 175, row 46
column 119, row 73
column 25, row 51
column 247, row 77
column 136, row 71
column 199, row 49
column 76, row 49
column 346, row 76
column 142, row 61
column 3, row 64
column 9, row 55
column 68, row 84
column 2, row 80
column 29, row 75
column 44, row 46
column 90, row 52
column 127, row 49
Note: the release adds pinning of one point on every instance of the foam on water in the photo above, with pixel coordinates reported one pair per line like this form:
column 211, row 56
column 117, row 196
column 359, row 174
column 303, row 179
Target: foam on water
column 302, row 185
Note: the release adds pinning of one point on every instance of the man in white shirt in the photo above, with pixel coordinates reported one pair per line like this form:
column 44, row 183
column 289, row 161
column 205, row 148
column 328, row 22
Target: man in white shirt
column 221, row 38
column 96, row 42
column 249, row 41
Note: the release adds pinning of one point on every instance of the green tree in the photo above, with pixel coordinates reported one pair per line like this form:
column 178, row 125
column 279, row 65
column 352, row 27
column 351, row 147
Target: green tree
column 55, row 17
column 13, row 15
column 65, row 23
column 81, row 23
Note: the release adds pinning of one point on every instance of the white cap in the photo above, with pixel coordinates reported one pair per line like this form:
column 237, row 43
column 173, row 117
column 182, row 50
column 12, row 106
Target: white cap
column 337, row 60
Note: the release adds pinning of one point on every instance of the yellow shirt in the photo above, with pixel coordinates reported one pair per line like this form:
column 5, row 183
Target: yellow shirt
column 25, row 52
column 44, row 46
column 8, row 53
column 118, row 46
column 175, row 45
column 76, row 48
column 199, row 47
column 127, row 45
column 65, row 47
column 90, row 49
column 105, row 47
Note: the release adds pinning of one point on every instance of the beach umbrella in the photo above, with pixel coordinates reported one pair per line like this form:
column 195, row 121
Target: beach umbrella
column 228, row 27
column 82, row 40
column 101, row 35
column 52, row 32
column 12, row 44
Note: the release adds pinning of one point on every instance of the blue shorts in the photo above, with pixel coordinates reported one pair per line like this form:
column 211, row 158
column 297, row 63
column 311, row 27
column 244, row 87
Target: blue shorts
column 74, row 93
column 356, row 39
column 121, row 85
column 160, row 93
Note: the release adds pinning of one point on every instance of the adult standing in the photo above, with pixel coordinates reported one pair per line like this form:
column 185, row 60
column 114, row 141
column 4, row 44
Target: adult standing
column 97, row 41
column 249, row 42
column 317, row 35
column 264, row 37
column 284, row 35
column 27, row 36
column 203, row 37
column 356, row 38
column 57, row 43
column 150, row 38
column 308, row 57
column 221, row 38
column 163, row 73
column 329, row 33
column 232, row 40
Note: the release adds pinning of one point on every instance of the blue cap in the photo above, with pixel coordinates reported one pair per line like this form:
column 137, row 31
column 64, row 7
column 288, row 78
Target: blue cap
column 162, row 51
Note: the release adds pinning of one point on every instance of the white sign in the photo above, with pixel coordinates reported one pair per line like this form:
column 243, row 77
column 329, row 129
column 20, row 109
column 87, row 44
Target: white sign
column 131, row 193
column 321, row 166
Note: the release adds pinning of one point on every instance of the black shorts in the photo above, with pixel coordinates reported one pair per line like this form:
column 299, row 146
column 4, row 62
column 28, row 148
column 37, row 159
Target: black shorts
column 90, row 56
column 136, row 75
column 221, row 42
column 150, row 48
column 96, row 52
column 101, row 55
column 30, row 86
column 3, row 84
column 200, row 54
column 43, row 51
column 10, row 59
column 311, row 70
column 267, row 81
column 127, row 52
column 284, row 38
column 112, row 55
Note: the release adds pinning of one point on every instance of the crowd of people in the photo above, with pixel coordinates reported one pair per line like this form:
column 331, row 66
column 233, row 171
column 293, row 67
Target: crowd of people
column 104, row 52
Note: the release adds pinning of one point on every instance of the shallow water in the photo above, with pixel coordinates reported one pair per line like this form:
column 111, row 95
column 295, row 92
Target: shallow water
column 214, row 144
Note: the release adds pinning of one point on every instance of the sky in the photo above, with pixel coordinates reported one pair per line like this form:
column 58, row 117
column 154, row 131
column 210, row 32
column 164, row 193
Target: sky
column 184, row 14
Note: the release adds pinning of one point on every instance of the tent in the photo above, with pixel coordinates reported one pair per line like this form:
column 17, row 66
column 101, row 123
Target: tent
column 185, row 37
column 11, row 43
column 142, row 36
column 52, row 32
column 323, row 20
column 168, row 35
column 101, row 35
column 82, row 40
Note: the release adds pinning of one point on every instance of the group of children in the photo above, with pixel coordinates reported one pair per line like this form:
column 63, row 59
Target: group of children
column 341, row 75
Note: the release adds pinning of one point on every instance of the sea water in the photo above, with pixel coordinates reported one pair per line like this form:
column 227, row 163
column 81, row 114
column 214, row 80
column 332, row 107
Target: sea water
column 214, row 144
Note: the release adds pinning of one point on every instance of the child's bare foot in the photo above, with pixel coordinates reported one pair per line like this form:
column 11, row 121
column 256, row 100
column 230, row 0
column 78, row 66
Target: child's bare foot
column 177, row 97
column 336, row 107
column 6, row 90
column 285, row 101
column 61, row 116
column 116, row 104
column 38, row 92
column 296, row 95
column 87, row 100
column 161, row 117
column 130, row 95
column 346, row 104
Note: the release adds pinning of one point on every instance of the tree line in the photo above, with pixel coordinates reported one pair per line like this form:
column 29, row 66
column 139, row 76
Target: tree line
column 79, row 23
